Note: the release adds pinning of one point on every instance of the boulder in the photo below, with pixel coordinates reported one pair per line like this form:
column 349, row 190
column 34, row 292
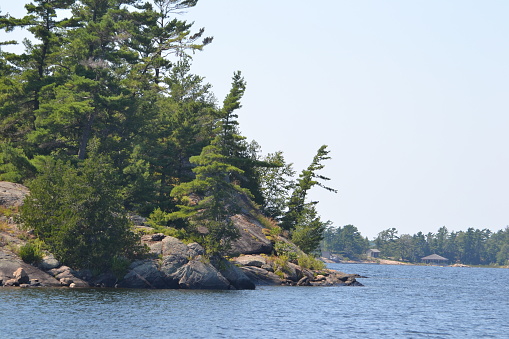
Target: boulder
column 107, row 279
column 145, row 274
column 173, row 246
column 67, row 276
column 199, row 275
column 292, row 272
column 233, row 274
column 48, row 262
column 66, row 281
column 35, row 282
column 21, row 276
column 171, row 264
column 59, row 270
column 304, row 281
column 11, row 282
column 10, row 263
column 194, row 249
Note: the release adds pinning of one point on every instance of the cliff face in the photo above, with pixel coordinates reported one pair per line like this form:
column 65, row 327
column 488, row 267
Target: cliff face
column 169, row 264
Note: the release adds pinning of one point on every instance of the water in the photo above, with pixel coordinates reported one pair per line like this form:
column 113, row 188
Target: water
column 397, row 301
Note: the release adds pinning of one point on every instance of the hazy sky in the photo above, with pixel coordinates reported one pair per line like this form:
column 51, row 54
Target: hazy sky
column 411, row 97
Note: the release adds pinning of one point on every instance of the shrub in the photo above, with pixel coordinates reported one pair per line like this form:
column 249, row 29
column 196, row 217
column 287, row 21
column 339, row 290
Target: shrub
column 78, row 213
column 119, row 266
column 31, row 252
column 310, row 262
column 284, row 249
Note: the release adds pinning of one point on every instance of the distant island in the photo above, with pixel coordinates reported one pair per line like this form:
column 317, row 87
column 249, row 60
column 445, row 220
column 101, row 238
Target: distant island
column 471, row 247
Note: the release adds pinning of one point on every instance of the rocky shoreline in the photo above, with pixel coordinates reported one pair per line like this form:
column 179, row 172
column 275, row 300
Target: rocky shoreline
column 176, row 266
column 170, row 264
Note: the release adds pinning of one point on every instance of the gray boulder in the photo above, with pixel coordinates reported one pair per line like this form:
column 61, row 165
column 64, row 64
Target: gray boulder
column 233, row 274
column 10, row 263
column 199, row 275
column 173, row 246
column 48, row 262
column 194, row 249
column 171, row 264
column 145, row 274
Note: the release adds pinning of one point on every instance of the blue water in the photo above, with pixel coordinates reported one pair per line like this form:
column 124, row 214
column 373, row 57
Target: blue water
column 397, row 301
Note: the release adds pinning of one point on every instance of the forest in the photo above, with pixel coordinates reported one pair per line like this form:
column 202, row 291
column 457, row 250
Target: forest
column 470, row 247
column 102, row 117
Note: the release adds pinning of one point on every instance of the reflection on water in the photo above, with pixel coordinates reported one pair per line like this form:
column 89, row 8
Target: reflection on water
column 401, row 301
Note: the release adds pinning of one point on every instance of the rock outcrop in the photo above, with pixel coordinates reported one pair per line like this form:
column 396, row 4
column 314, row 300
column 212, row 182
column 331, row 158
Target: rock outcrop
column 177, row 265
column 170, row 264
column 14, row 272
column 261, row 271
column 251, row 240
column 11, row 194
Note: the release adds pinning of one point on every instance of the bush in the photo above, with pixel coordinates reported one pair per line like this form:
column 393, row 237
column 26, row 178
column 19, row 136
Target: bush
column 119, row 266
column 31, row 252
column 310, row 262
column 78, row 213
column 284, row 249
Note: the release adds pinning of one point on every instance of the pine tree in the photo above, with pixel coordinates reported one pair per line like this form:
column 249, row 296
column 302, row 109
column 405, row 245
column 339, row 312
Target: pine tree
column 307, row 180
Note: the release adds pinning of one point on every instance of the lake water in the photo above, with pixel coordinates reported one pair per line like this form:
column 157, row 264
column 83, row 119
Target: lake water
column 396, row 301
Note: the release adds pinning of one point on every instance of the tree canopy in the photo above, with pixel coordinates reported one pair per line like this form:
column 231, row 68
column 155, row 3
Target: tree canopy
column 102, row 114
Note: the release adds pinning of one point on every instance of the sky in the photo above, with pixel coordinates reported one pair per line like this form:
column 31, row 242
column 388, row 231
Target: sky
column 411, row 97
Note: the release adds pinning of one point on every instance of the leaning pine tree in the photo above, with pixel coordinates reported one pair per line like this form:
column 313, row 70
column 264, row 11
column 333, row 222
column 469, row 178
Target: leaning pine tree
column 301, row 218
column 213, row 197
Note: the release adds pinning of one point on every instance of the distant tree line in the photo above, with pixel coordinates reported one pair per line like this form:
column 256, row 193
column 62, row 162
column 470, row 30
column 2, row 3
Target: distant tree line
column 471, row 247
column 346, row 241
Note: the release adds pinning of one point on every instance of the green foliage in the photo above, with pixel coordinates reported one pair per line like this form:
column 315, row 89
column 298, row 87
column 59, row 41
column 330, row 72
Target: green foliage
column 284, row 249
column 77, row 212
column 275, row 184
column 307, row 180
column 310, row 262
column 14, row 165
column 275, row 231
column 280, row 265
column 471, row 247
column 112, row 80
column 119, row 266
column 31, row 252
column 309, row 229
column 346, row 240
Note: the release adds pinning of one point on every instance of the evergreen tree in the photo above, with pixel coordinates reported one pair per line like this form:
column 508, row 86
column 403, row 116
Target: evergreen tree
column 275, row 185
column 78, row 213
column 214, row 196
column 307, row 180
